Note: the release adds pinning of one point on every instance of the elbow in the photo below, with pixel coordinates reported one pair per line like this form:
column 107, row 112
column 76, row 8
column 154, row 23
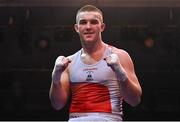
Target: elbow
column 57, row 101
column 137, row 98
column 135, row 102
column 57, row 106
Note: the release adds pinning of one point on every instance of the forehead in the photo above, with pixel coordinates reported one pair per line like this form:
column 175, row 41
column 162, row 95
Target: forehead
column 88, row 15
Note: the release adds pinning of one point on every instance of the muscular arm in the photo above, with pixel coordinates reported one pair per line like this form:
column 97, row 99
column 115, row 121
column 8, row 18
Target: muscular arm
column 121, row 63
column 58, row 93
column 131, row 89
column 59, row 89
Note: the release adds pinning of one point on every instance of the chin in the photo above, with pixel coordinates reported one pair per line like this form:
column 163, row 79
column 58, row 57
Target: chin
column 88, row 42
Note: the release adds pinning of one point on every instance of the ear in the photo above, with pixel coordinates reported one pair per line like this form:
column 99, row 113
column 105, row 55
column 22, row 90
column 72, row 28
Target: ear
column 76, row 28
column 103, row 27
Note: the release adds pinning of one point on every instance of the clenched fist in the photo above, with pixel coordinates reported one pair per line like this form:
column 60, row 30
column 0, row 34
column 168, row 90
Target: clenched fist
column 113, row 61
column 60, row 65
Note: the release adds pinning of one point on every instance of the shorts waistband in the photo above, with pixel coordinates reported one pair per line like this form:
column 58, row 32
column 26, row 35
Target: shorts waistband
column 75, row 115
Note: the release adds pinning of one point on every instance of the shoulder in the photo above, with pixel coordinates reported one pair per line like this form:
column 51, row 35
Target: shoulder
column 120, row 52
column 72, row 57
column 123, row 55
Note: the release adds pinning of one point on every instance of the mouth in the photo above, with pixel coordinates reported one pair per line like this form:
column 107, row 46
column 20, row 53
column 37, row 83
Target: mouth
column 88, row 33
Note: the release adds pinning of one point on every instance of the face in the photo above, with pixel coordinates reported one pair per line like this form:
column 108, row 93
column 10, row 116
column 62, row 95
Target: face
column 89, row 26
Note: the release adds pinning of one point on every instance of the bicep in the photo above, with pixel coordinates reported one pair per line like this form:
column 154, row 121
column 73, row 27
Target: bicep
column 65, row 81
column 128, row 65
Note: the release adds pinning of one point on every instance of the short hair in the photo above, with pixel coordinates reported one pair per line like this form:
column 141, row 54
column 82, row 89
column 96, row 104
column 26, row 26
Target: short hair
column 89, row 8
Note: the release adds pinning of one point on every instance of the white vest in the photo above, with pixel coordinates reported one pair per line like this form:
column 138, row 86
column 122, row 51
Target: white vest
column 95, row 87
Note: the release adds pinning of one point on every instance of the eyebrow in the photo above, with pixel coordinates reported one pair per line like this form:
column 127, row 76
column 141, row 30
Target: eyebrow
column 91, row 20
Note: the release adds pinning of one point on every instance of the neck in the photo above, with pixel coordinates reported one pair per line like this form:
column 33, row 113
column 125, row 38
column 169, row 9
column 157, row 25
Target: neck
column 93, row 53
column 92, row 48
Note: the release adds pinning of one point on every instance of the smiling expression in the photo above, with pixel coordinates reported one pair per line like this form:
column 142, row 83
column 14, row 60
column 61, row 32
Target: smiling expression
column 89, row 26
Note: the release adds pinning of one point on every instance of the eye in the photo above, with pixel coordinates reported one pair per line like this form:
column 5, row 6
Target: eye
column 94, row 22
column 82, row 22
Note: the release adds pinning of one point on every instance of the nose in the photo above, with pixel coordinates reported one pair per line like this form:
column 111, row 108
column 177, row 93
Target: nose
column 88, row 25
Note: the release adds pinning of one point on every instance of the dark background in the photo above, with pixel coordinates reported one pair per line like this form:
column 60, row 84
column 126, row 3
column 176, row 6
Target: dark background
column 31, row 38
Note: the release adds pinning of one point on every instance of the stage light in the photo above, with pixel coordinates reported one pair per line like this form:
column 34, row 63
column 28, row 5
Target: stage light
column 43, row 43
column 11, row 20
column 149, row 42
